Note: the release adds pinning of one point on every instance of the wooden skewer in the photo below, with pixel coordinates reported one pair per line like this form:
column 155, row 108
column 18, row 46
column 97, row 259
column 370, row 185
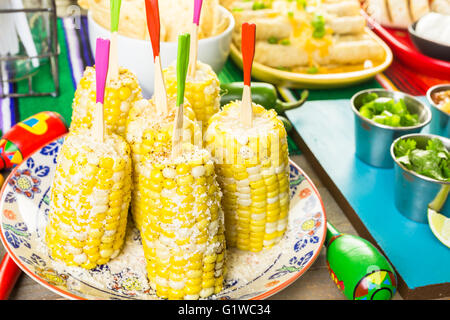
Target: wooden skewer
column 177, row 138
column 153, row 24
column 182, row 66
column 248, row 53
column 101, row 71
column 113, row 71
column 194, row 38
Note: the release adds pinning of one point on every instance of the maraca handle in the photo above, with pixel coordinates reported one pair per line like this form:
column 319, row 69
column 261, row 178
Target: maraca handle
column 332, row 234
column 9, row 273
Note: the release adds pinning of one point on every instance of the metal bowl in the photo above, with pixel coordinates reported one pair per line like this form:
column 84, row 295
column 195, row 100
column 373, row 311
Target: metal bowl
column 440, row 123
column 372, row 139
column 414, row 193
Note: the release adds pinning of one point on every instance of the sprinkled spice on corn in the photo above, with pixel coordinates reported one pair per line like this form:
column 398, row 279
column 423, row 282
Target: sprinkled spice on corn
column 150, row 133
column 119, row 97
column 183, row 228
column 203, row 91
column 90, row 197
column 252, row 167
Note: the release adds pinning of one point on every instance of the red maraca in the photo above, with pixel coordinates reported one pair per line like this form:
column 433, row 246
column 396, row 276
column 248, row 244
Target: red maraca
column 28, row 136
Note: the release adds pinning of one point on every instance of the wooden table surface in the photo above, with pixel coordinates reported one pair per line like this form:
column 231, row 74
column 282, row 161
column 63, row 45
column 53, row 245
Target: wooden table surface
column 315, row 284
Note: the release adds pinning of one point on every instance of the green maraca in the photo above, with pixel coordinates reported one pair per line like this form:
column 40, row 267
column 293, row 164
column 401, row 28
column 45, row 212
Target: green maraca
column 359, row 270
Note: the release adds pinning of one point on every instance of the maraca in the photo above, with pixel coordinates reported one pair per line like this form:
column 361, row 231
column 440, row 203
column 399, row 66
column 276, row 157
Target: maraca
column 359, row 270
column 19, row 142
column 27, row 136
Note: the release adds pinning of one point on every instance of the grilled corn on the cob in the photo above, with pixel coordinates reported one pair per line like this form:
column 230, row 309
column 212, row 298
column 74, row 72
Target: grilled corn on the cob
column 253, row 174
column 90, row 197
column 119, row 97
column 150, row 133
column 202, row 91
column 183, row 228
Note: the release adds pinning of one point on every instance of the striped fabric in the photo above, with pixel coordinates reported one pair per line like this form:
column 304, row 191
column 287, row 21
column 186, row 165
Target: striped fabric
column 76, row 55
column 7, row 107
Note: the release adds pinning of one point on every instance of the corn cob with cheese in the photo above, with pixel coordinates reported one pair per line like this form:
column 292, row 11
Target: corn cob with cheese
column 202, row 90
column 120, row 94
column 148, row 133
column 253, row 173
column 90, row 197
column 183, row 229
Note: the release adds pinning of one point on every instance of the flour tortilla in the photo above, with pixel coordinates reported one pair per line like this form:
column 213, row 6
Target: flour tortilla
column 347, row 50
column 419, row 8
column 441, row 6
column 344, row 8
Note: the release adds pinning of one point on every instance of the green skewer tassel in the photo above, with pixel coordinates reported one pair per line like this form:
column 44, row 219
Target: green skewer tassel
column 113, row 71
column 184, row 41
column 115, row 13
column 182, row 67
column 359, row 270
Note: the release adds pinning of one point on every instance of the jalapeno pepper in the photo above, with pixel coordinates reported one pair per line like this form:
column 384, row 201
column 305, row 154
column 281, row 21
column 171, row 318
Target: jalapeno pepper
column 286, row 122
column 263, row 93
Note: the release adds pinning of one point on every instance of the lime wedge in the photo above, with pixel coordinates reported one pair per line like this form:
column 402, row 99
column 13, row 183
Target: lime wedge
column 440, row 226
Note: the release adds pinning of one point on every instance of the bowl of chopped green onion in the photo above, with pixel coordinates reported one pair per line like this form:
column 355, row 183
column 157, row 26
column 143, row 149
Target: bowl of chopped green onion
column 422, row 175
column 381, row 116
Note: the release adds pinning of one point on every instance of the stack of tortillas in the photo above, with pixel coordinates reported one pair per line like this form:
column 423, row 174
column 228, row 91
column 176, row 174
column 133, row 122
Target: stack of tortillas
column 402, row 13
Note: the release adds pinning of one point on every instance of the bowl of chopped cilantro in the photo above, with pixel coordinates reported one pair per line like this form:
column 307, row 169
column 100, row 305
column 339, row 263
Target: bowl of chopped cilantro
column 381, row 116
column 422, row 175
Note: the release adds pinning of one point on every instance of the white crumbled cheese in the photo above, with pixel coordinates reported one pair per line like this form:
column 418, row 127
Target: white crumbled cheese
column 124, row 106
column 243, row 140
column 245, row 152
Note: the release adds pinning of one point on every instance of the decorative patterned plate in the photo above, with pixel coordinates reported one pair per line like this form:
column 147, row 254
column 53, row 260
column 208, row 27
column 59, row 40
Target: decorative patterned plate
column 24, row 209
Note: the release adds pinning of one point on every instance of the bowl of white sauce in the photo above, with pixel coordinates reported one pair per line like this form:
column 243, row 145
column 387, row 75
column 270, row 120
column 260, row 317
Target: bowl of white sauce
column 431, row 35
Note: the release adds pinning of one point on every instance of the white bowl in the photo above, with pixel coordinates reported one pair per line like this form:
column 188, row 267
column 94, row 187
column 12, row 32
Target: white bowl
column 137, row 56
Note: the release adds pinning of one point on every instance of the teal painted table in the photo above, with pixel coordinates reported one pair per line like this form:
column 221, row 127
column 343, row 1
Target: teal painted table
column 325, row 133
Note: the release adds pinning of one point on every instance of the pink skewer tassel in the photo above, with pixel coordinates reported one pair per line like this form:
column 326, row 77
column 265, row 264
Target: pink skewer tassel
column 101, row 72
column 194, row 38
column 197, row 10
column 101, row 67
